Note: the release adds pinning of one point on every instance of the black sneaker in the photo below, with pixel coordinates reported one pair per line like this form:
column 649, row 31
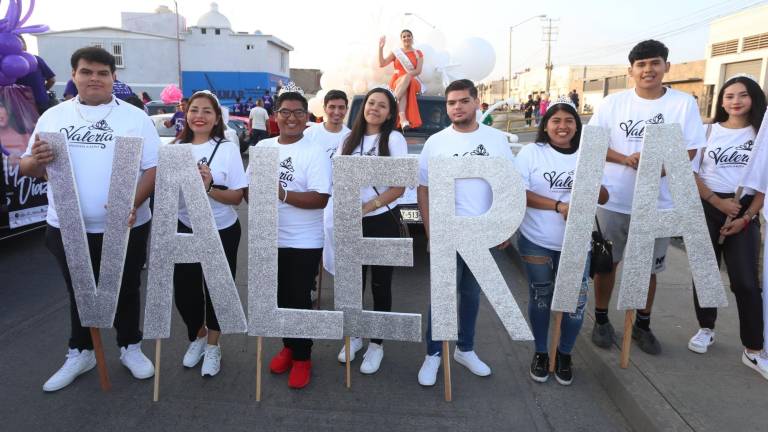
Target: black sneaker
column 540, row 367
column 563, row 370
column 646, row 340
column 603, row 335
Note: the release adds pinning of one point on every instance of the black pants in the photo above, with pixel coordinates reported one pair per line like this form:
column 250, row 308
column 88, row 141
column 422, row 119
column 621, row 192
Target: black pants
column 190, row 290
column 382, row 225
column 257, row 135
column 740, row 252
column 295, row 278
column 129, row 301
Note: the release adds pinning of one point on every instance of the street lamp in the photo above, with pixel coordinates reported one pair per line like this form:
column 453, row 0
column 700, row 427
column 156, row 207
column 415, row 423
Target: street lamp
column 422, row 19
column 509, row 82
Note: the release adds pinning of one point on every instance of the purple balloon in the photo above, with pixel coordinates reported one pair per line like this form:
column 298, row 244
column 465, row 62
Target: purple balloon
column 14, row 66
column 6, row 80
column 32, row 60
column 9, row 44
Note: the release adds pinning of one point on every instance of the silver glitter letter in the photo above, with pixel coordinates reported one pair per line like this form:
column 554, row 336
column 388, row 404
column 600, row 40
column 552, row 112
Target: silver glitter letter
column 663, row 146
column 264, row 317
column 472, row 237
column 177, row 172
column 96, row 305
column 350, row 174
column 581, row 217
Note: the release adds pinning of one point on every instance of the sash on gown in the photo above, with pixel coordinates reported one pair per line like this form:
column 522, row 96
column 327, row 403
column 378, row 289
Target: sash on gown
column 402, row 57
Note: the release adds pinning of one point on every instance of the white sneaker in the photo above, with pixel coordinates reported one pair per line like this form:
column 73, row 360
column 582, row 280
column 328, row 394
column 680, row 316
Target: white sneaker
column 195, row 352
column 212, row 360
column 757, row 362
column 470, row 360
column 355, row 345
column 428, row 371
column 77, row 363
column 701, row 340
column 372, row 358
column 136, row 362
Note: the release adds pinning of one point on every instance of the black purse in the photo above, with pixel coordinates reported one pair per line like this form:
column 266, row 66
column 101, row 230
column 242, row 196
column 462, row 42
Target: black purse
column 602, row 253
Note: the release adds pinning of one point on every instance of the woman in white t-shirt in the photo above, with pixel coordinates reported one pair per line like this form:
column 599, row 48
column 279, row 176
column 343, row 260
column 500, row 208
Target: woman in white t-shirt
column 373, row 134
column 547, row 167
column 222, row 173
column 720, row 169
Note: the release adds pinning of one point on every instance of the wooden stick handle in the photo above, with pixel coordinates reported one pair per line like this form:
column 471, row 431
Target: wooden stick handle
column 555, row 341
column 101, row 363
column 259, row 341
column 156, row 392
column 347, row 342
column 447, row 371
column 626, row 341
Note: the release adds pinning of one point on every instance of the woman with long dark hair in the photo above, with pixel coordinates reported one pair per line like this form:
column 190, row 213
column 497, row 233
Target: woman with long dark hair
column 547, row 168
column 720, row 169
column 373, row 134
column 408, row 62
column 222, row 174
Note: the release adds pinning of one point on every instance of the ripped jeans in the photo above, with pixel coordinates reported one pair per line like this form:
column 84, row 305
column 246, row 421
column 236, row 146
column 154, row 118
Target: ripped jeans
column 541, row 287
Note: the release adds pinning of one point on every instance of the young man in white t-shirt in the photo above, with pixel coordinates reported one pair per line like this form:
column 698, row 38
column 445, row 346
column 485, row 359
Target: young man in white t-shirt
column 625, row 115
column 305, row 186
column 465, row 137
column 259, row 118
column 91, row 121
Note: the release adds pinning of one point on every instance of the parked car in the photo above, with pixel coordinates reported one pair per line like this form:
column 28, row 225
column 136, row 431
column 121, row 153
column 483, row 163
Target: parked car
column 434, row 119
column 241, row 126
column 159, row 107
column 167, row 135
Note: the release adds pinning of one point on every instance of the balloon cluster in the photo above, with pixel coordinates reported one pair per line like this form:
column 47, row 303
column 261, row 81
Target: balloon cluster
column 472, row 58
column 14, row 61
column 171, row 94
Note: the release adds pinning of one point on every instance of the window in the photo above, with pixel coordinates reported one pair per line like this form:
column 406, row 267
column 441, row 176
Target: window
column 203, row 31
column 97, row 44
column 117, row 51
column 723, row 48
column 218, row 32
column 755, row 42
column 283, row 61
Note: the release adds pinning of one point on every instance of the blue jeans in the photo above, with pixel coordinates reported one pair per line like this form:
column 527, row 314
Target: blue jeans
column 469, row 303
column 541, row 287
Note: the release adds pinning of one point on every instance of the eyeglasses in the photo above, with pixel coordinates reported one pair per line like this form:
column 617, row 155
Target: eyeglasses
column 286, row 113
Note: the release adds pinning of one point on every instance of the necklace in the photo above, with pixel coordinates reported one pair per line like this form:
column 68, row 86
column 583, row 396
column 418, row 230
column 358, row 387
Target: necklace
column 77, row 108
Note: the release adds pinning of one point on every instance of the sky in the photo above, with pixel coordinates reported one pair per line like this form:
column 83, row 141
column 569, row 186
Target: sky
column 588, row 32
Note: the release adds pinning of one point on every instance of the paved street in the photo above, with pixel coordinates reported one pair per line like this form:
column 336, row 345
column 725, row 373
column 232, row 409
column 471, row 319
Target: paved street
column 35, row 322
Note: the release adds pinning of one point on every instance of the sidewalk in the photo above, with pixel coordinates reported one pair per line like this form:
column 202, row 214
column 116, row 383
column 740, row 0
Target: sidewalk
column 680, row 390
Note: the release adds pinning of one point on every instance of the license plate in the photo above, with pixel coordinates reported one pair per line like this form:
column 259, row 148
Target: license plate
column 410, row 215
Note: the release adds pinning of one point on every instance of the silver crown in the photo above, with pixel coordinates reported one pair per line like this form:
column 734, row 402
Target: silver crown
column 742, row 75
column 562, row 100
column 291, row 87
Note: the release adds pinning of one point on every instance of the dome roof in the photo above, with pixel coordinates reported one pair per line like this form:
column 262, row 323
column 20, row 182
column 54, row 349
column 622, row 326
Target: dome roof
column 214, row 19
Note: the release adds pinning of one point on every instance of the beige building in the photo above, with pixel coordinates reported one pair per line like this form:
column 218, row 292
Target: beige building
column 738, row 43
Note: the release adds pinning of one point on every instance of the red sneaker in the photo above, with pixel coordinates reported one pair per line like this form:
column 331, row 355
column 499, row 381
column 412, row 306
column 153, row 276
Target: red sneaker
column 300, row 373
column 281, row 362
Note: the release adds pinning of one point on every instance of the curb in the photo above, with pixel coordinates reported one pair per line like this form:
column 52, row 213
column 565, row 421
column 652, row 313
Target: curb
column 636, row 397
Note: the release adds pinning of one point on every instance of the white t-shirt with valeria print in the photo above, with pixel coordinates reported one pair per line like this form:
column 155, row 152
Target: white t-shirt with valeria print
column 722, row 164
column 304, row 167
column 625, row 115
column 473, row 195
column 90, row 132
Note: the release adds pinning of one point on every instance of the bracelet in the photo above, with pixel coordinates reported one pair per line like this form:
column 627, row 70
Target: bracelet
column 711, row 194
column 210, row 186
column 557, row 206
column 285, row 196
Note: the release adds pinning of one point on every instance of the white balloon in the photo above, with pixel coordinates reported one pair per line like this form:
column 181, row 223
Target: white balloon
column 435, row 38
column 474, row 57
column 428, row 68
column 360, row 87
column 316, row 106
column 442, row 58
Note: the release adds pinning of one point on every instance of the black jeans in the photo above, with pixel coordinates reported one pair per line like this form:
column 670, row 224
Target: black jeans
column 740, row 252
column 382, row 225
column 190, row 290
column 295, row 278
column 129, row 301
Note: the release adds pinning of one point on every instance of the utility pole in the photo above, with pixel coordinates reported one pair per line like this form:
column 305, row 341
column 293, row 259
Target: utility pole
column 178, row 43
column 549, row 36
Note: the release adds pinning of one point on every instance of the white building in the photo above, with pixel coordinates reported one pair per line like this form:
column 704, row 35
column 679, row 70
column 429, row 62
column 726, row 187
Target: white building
column 209, row 55
column 738, row 43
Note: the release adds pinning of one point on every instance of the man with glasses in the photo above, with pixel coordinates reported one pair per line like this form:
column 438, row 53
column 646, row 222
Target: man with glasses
column 304, row 189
